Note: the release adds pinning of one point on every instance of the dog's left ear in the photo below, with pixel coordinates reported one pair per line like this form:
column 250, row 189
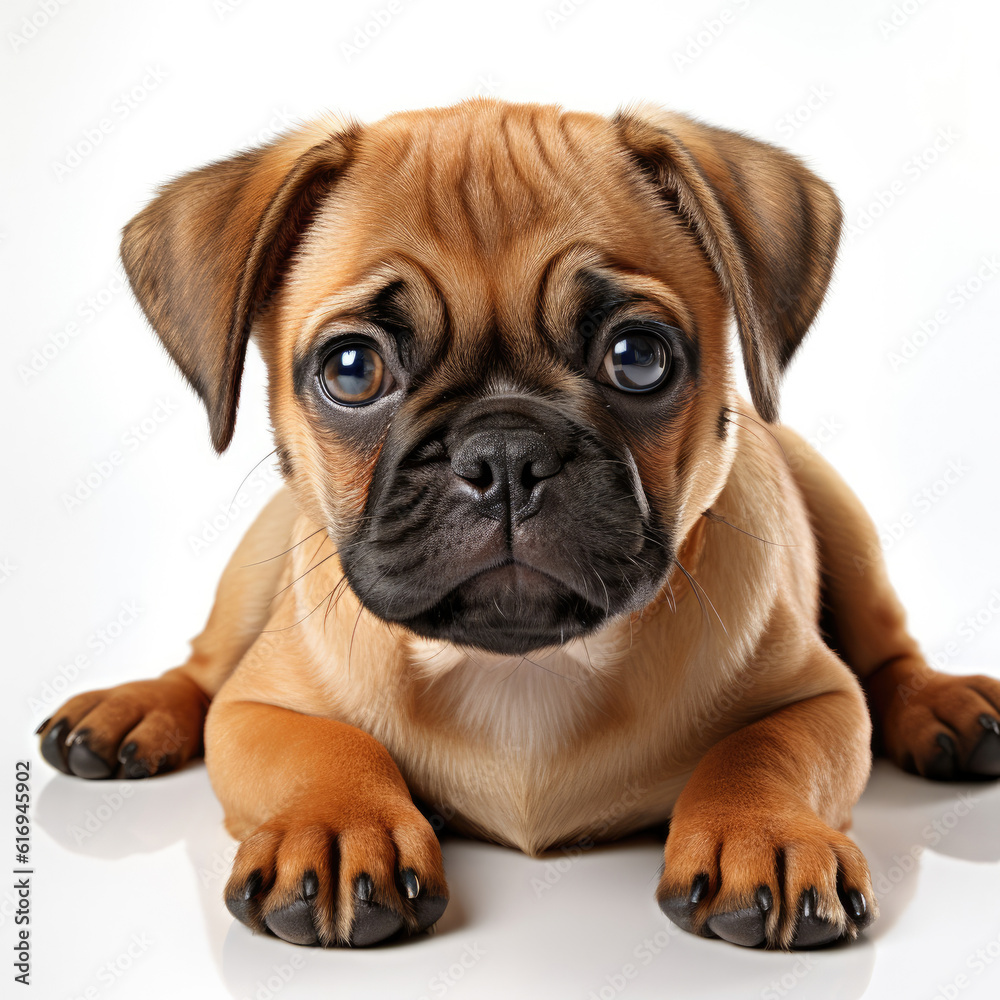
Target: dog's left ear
column 769, row 225
column 206, row 254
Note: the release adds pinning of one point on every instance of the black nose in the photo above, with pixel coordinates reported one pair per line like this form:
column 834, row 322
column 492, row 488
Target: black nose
column 503, row 468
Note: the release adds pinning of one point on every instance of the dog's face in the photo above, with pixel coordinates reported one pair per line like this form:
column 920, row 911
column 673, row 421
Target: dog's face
column 497, row 342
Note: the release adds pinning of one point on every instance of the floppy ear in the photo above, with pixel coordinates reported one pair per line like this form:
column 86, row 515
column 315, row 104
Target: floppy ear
column 204, row 256
column 769, row 225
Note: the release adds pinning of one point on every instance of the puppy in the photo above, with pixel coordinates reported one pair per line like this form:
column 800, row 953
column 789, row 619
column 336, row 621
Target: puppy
column 536, row 564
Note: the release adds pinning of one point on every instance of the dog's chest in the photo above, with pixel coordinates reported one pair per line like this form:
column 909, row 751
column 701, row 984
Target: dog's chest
column 533, row 752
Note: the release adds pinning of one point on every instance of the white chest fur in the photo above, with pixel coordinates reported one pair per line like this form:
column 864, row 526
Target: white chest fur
column 533, row 751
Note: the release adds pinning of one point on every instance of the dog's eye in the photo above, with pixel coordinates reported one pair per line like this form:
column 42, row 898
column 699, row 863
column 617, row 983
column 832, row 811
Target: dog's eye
column 637, row 361
column 354, row 374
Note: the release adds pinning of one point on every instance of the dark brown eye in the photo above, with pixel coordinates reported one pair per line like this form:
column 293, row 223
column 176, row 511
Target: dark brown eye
column 637, row 361
column 354, row 374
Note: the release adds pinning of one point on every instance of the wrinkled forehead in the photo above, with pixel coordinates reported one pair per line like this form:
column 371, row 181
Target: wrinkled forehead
column 488, row 218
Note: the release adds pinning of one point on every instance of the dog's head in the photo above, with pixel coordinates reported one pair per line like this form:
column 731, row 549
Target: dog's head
column 497, row 342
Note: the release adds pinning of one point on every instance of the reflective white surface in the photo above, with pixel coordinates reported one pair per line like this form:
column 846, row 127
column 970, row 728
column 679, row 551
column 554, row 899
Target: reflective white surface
column 130, row 876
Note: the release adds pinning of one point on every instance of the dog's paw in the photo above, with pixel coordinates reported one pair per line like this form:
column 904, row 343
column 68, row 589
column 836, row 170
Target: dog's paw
column 944, row 727
column 134, row 730
column 314, row 883
column 761, row 879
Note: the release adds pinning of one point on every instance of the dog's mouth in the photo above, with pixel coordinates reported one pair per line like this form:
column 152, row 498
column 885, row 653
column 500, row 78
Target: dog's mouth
column 509, row 608
column 508, row 528
column 512, row 575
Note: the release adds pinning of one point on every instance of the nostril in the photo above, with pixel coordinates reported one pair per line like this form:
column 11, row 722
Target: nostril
column 528, row 477
column 542, row 466
column 479, row 475
column 482, row 482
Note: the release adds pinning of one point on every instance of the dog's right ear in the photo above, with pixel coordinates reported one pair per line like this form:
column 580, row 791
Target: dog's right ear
column 769, row 226
column 206, row 254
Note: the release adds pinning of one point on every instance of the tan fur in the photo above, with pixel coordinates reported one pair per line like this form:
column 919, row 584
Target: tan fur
column 718, row 705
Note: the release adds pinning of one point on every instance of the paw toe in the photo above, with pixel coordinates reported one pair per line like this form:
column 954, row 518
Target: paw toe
column 84, row 762
column 241, row 898
column 812, row 930
column 372, row 921
column 985, row 757
column 294, row 922
column 943, row 765
column 428, row 910
column 743, row 927
column 53, row 746
column 131, row 767
column 680, row 907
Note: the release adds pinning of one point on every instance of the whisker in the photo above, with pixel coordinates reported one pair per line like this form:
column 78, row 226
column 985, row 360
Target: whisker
column 332, row 602
column 695, row 587
column 350, row 649
column 712, row 516
column 305, row 574
column 511, row 674
column 361, row 608
column 266, row 631
column 750, row 430
column 316, row 551
column 704, row 611
column 249, row 474
column 607, row 596
column 672, row 602
column 762, row 426
column 285, row 553
column 549, row 670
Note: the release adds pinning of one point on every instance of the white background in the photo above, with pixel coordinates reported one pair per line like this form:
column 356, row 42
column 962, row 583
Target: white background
column 132, row 875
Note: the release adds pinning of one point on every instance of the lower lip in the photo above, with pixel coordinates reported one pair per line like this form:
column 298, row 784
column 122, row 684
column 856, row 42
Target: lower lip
column 516, row 576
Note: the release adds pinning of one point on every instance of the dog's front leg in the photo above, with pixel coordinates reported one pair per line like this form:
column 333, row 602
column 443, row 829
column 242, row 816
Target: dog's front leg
column 755, row 852
column 335, row 851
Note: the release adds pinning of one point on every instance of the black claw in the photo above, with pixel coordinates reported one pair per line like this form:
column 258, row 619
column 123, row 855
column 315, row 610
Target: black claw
column 310, row 885
column 699, row 889
column 43, row 724
column 856, row 906
column 986, row 721
column 83, row 762
column 985, row 758
column 132, row 768
column 942, row 767
column 812, row 930
column 364, row 887
column 428, row 910
column 680, row 909
column 240, row 901
column 410, row 883
column 54, row 746
column 764, row 899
